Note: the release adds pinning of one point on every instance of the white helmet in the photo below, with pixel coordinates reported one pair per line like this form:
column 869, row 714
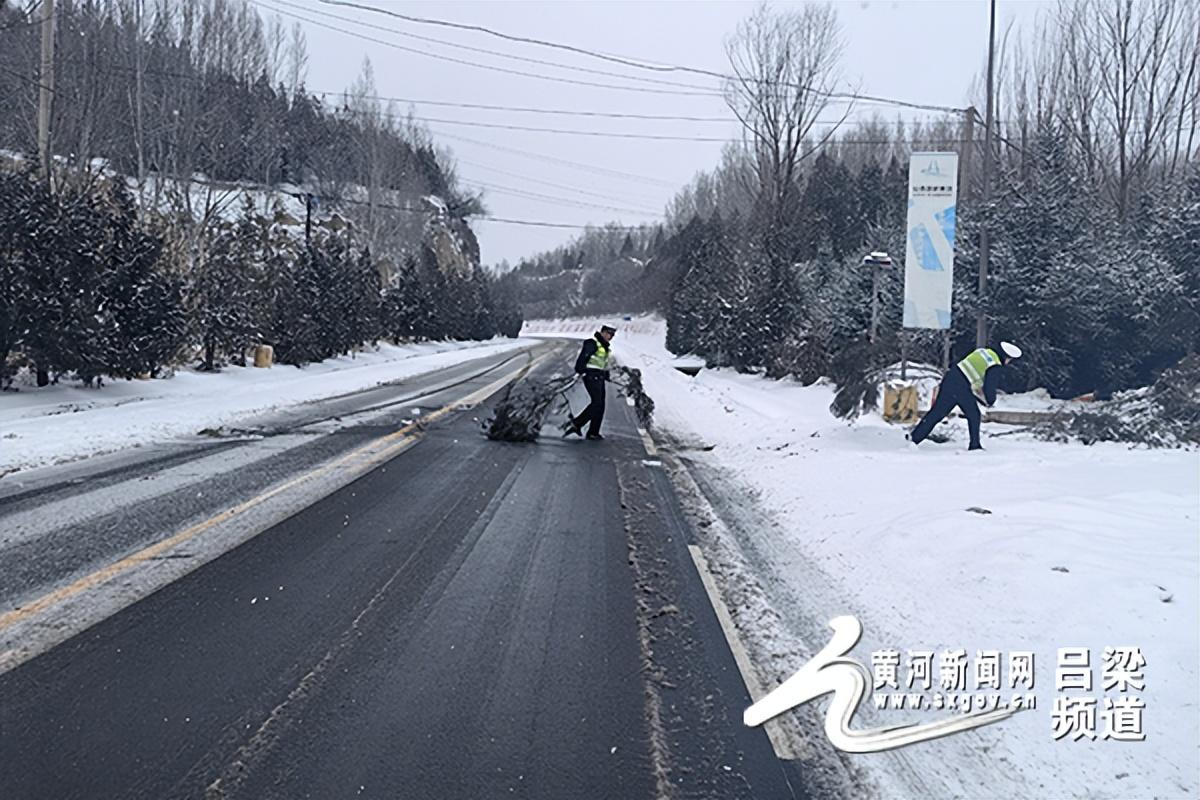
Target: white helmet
column 1010, row 349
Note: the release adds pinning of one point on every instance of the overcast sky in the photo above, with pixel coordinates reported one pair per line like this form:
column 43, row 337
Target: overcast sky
column 925, row 51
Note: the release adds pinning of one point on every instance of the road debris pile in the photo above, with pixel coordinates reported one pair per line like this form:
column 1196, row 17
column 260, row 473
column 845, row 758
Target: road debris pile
column 519, row 414
column 1164, row 414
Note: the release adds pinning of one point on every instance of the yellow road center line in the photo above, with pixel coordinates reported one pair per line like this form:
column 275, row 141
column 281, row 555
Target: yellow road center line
column 394, row 441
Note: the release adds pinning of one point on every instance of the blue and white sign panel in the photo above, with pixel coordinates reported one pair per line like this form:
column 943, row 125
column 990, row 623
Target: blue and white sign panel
column 929, row 255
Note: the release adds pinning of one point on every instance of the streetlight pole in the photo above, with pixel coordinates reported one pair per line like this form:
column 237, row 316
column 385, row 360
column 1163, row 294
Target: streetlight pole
column 874, row 303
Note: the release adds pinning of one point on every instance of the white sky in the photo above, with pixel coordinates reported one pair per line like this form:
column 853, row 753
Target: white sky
column 925, row 51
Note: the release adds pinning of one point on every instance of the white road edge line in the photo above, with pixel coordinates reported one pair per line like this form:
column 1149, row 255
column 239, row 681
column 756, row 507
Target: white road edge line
column 779, row 741
column 647, row 442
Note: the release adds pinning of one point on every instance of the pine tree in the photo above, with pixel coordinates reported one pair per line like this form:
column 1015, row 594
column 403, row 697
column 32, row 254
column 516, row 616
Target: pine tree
column 626, row 247
column 366, row 311
column 65, row 248
column 227, row 291
column 1175, row 234
column 506, row 311
column 1042, row 267
column 19, row 207
column 298, row 323
column 279, row 252
column 687, row 302
column 145, row 320
column 869, row 201
column 831, row 222
column 402, row 300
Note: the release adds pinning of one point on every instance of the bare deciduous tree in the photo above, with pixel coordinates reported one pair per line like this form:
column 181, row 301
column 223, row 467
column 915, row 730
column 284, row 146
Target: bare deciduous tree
column 785, row 67
column 1120, row 80
column 297, row 60
column 1142, row 73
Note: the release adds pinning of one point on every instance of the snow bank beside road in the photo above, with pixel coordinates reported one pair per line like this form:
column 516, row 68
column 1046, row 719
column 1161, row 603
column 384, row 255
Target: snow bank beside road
column 1081, row 546
column 67, row 421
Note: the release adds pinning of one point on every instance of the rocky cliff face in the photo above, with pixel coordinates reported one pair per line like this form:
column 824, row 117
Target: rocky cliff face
column 452, row 240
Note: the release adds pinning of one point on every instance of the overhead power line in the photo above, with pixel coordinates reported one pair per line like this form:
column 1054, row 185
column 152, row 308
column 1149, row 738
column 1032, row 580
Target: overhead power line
column 530, row 110
column 546, row 198
column 373, row 112
column 503, row 220
column 495, row 53
column 624, row 61
column 574, row 189
column 601, row 134
column 539, row 224
column 561, row 161
column 228, row 187
column 622, row 135
column 556, row 111
column 491, row 67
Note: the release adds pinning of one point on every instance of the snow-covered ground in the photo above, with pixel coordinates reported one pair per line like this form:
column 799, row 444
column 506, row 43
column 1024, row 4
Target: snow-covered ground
column 68, row 421
column 1080, row 546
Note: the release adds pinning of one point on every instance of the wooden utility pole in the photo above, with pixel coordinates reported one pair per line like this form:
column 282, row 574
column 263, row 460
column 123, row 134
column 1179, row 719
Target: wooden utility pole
column 984, row 244
column 46, row 87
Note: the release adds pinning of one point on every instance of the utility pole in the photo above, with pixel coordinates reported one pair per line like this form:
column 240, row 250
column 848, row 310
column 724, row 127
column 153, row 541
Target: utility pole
column 46, row 87
column 984, row 244
column 968, row 154
column 45, row 95
column 966, row 173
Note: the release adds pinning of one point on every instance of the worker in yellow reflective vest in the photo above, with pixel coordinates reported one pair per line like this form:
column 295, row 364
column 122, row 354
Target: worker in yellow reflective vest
column 973, row 380
column 592, row 364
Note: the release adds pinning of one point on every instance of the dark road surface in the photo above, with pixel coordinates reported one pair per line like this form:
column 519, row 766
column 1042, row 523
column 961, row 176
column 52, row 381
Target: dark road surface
column 469, row 620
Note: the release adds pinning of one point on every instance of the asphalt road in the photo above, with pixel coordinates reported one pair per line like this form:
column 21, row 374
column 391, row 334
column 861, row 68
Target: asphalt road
column 468, row 619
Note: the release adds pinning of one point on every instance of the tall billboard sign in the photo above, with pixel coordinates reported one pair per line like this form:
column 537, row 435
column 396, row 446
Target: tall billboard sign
column 929, row 253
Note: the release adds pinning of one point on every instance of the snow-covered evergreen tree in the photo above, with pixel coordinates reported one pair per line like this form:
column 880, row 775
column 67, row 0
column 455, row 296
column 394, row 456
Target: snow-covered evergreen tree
column 227, row 292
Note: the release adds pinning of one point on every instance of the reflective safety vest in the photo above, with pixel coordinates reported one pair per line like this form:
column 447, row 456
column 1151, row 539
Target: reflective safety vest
column 977, row 363
column 599, row 359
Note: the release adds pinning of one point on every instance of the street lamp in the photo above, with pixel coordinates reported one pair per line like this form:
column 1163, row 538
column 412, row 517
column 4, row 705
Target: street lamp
column 876, row 261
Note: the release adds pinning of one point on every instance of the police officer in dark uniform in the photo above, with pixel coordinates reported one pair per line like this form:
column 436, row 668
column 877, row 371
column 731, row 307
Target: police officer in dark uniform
column 977, row 374
column 592, row 364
